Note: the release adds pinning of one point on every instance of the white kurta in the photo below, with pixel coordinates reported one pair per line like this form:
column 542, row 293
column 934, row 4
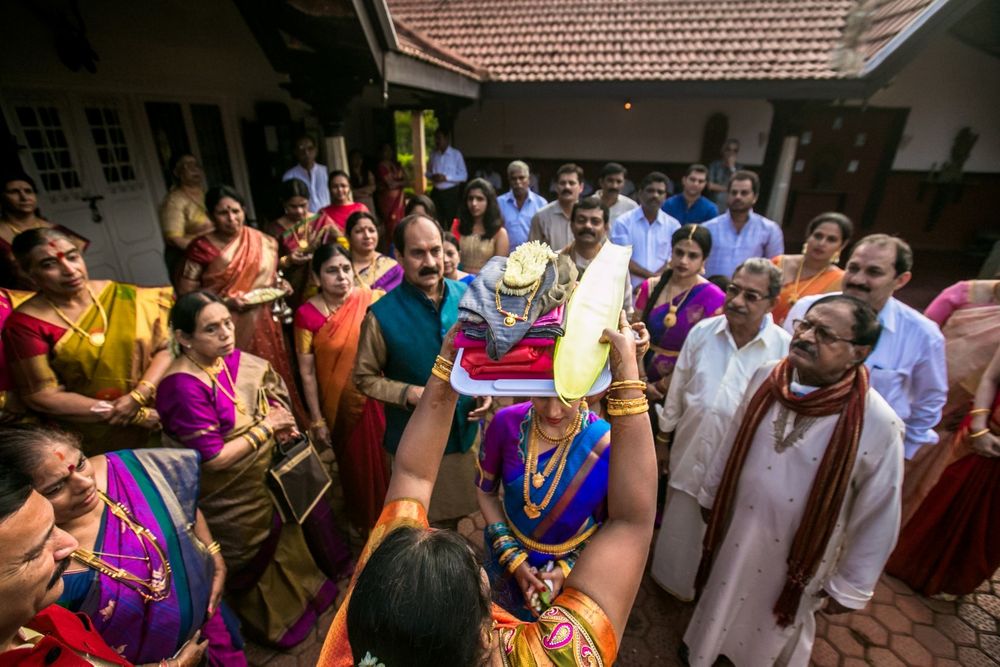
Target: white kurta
column 734, row 616
column 706, row 388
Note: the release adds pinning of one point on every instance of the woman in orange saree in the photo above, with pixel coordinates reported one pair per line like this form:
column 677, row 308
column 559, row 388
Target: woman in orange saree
column 240, row 264
column 327, row 328
column 419, row 596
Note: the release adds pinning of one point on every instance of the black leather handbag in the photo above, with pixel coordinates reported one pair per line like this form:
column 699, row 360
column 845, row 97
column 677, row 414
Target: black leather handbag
column 297, row 478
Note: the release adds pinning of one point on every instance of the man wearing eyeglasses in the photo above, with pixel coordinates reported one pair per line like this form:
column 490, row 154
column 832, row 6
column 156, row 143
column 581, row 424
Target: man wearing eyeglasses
column 719, row 356
column 908, row 366
column 802, row 499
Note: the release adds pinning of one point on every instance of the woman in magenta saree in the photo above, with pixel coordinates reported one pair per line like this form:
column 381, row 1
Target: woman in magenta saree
column 555, row 493
column 101, row 501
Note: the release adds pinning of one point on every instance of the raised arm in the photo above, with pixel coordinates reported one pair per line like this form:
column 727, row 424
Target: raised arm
column 610, row 569
column 418, row 457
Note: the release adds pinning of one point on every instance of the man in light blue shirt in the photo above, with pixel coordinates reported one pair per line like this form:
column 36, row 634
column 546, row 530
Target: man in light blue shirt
column 739, row 233
column 446, row 170
column 311, row 172
column 520, row 204
column 690, row 206
column 908, row 364
column 647, row 229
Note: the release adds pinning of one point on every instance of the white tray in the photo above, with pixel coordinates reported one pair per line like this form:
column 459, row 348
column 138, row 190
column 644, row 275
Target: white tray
column 464, row 384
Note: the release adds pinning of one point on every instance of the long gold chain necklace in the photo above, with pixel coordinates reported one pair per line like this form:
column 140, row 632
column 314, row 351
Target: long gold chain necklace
column 532, row 478
column 154, row 589
column 368, row 271
column 513, row 318
column 213, row 374
column 796, row 293
column 670, row 319
column 96, row 339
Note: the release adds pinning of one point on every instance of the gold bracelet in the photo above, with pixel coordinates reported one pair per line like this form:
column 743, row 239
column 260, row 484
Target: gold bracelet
column 638, row 407
column 252, row 439
column 152, row 387
column 979, row 411
column 441, row 373
column 627, row 384
column 139, row 416
column 214, row 548
column 627, row 402
column 138, row 398
column 564, row 566
column 447, row 363
column 318, row 422
column 978, row 434
column 516, row 562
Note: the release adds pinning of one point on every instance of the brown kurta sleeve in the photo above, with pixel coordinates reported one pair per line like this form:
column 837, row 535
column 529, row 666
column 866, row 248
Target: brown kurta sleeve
column 369, row 363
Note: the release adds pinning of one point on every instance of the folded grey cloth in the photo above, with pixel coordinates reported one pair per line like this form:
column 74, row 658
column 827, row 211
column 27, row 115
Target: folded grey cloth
column 478, row 304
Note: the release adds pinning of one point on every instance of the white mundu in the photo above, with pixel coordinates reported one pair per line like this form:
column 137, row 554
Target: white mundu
column 706, row 388
column 734, row 616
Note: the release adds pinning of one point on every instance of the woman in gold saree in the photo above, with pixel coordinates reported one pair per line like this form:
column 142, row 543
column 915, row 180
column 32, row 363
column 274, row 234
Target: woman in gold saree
column 233, row 408
column 88, row 354
column 235, row 261
column 327, row 329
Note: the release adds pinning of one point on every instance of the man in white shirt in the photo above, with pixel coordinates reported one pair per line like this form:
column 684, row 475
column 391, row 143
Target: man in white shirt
column 519, row 205
column 551, row 223
column 311, row 172
column 446, row 170
column 612, row 180
column 802, row 499
column 908, row 365
column 647, row 229
column 719, row 356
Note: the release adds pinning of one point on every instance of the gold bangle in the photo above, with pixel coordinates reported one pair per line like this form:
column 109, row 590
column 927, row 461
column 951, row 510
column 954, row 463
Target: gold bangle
column 627, row 402
column 627, row 384
column 979, row 411
column 640, row 406
column 139, row 416
column 214, row 548
column 442, row 369
column 564, row 566
column 516, row 562
column 152, row 387
column 318, row 422
column 978, row 434
column 138, row 398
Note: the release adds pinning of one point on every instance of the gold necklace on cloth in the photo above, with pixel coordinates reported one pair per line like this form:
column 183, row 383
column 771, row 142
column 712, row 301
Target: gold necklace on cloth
column 796, row 293
column 154, row 589
column 213, row 374
column 536, row 479
column 513, row 318
column 96, row 339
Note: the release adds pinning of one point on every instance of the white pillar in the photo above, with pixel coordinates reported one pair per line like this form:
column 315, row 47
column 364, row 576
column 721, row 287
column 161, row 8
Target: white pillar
column 419, row 152
column 782, row 180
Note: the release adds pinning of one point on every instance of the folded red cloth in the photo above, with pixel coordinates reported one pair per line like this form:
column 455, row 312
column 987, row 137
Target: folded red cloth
column 523, row 362
column 463, row 341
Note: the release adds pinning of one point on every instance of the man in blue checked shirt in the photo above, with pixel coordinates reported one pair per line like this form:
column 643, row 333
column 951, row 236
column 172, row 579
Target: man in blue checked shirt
column 739, row 233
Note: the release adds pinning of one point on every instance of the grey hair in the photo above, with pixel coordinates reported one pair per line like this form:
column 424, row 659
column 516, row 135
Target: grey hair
column 518, row 165
column 760, row 266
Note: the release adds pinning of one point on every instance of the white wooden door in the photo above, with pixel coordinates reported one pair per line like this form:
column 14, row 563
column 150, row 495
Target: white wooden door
column 81, row 151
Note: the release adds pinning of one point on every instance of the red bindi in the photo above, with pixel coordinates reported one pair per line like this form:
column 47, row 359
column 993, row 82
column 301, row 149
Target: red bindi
column 71, row 468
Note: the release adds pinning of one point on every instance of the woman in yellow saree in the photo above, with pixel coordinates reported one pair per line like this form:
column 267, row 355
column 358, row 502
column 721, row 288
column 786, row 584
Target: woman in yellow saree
column 327, row 328
column 420, row 597
column 88, row 354
column 236, row 262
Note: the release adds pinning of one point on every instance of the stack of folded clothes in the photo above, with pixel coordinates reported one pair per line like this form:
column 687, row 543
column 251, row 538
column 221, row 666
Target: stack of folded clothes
column 512, row 314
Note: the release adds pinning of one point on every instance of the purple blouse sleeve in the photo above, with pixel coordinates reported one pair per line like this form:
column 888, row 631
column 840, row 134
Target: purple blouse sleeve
column 502, row 434
column 188, row 414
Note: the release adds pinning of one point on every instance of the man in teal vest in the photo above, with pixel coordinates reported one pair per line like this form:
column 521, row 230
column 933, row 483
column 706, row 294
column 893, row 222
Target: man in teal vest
column 400, row 338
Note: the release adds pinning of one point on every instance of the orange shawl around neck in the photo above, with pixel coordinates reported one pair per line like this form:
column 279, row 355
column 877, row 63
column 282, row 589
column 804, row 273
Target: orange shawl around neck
column 847, row 396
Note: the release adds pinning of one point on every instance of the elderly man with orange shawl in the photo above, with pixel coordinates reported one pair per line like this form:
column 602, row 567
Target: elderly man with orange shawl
column 803, row 496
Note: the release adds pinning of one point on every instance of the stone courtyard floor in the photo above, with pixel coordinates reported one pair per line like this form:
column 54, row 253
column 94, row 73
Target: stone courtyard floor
column 899, row 628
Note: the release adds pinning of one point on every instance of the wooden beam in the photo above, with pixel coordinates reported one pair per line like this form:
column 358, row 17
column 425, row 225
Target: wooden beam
column 419, row 151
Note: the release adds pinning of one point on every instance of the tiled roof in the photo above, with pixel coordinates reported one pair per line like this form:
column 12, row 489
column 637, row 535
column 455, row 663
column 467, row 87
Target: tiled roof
column 654, row 40
column 421, row 47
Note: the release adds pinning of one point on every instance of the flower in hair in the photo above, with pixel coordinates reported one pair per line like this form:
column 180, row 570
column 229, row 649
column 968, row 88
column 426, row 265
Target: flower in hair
column 370, row 661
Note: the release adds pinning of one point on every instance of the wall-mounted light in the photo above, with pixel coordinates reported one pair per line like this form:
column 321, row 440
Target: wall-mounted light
column 628, row 105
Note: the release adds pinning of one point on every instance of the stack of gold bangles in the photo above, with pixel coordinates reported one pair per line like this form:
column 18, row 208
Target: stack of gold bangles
column 258, row 435
column 973, row 413
column 442, row 368
column 143, row 412
column 622, row 407
column 214, row 548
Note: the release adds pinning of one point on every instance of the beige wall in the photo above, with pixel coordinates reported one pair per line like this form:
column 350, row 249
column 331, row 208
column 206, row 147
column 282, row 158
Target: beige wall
column 654, row 130
column 947, row 86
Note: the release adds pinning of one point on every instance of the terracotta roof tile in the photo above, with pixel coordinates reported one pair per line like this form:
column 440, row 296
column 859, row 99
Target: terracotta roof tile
column 590, row 40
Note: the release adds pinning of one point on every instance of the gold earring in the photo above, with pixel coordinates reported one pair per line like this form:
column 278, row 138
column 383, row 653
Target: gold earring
column 702, row 270
column 836, row 258
column 805, row 247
